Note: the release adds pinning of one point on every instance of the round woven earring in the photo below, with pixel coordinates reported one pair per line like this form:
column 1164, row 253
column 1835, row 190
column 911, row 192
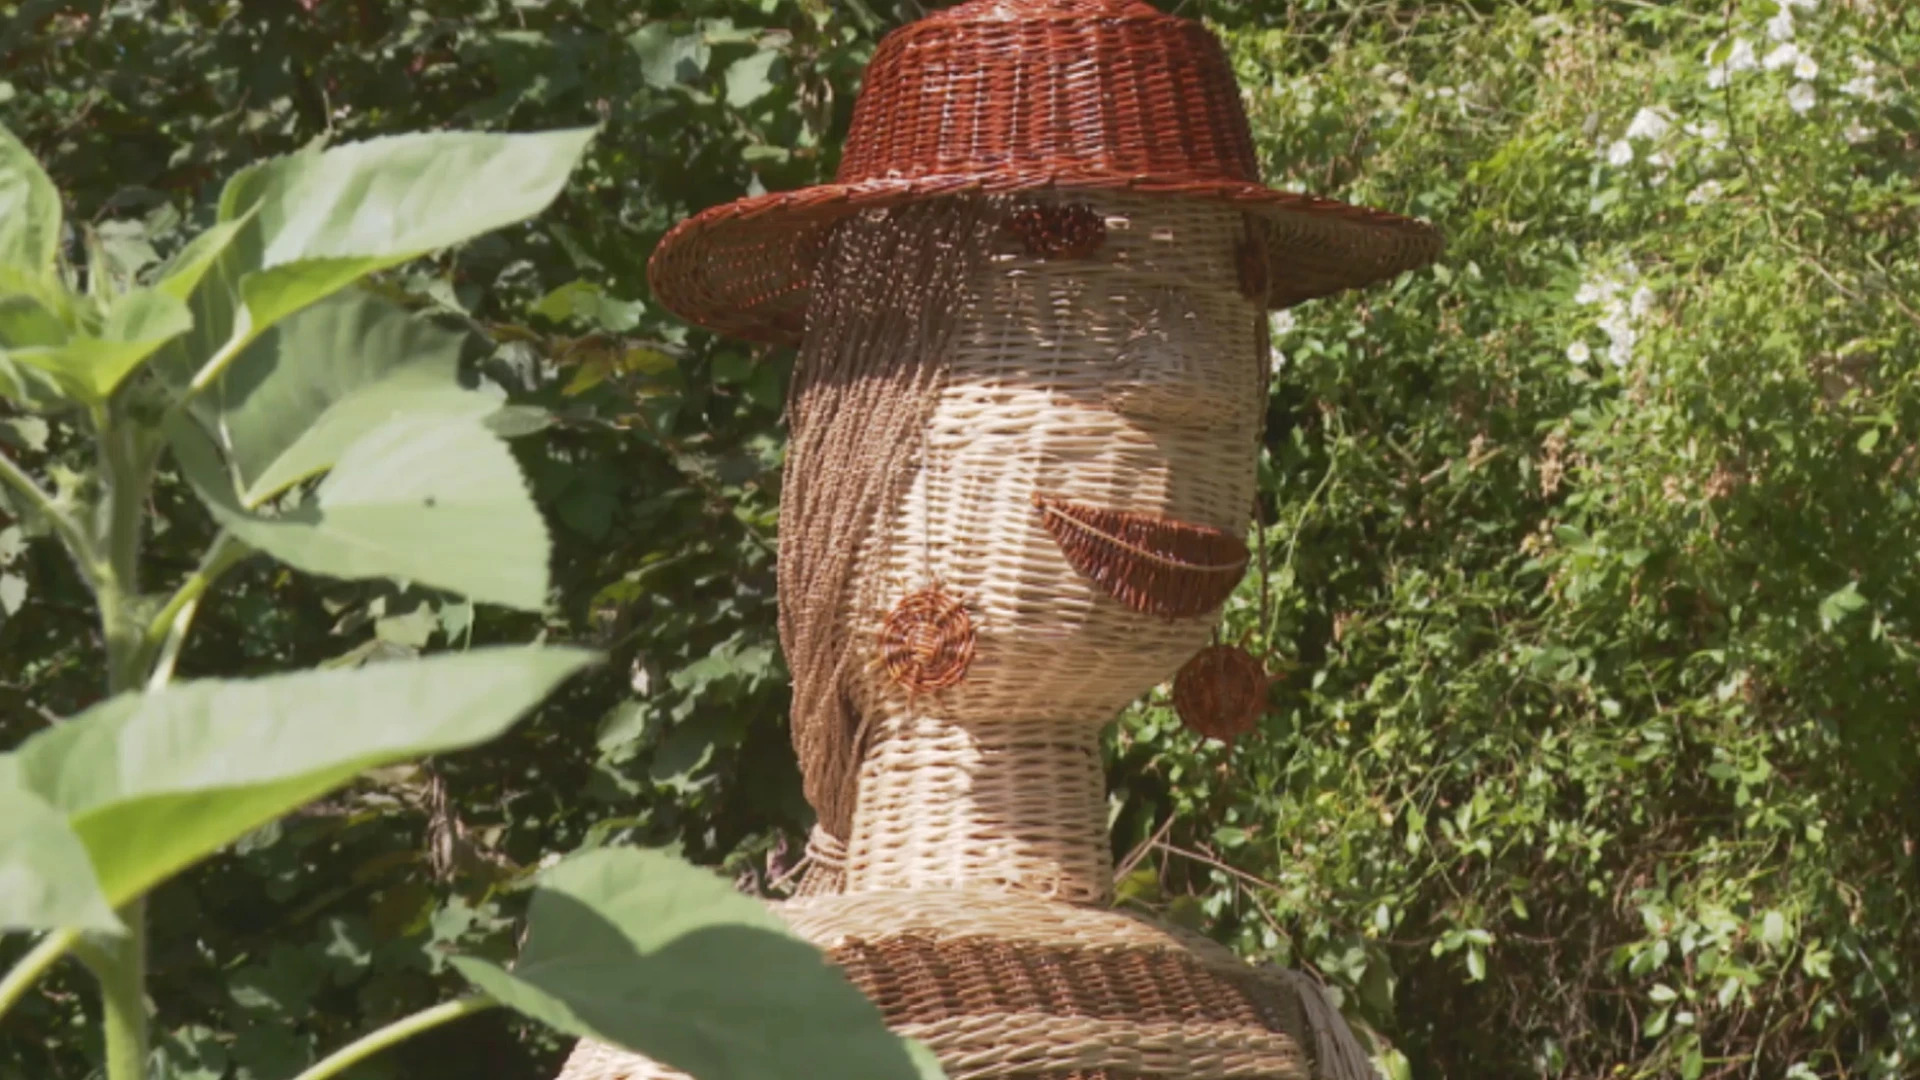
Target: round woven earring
column 1221, row 692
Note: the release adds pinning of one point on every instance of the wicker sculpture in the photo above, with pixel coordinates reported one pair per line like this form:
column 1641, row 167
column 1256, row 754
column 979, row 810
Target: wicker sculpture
column 1032, row 371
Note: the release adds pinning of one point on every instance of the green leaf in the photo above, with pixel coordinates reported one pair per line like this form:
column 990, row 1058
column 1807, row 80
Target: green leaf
column 431, row 499
column 645, row 951
column 391, row 199
column 89, row 368
column 1841, row 603
column 26, row 322
column 668, row 59
column 29, row 209
column 313, row 385
column 46, row 880
column 182, row 274
column 749, row 79
column 319, row 219
column 153, row 782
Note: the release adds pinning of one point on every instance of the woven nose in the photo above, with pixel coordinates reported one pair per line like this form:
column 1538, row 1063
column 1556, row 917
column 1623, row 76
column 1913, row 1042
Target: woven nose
column 1051, row 90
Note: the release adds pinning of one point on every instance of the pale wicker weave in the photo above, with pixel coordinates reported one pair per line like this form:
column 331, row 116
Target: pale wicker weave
column 1129, row 380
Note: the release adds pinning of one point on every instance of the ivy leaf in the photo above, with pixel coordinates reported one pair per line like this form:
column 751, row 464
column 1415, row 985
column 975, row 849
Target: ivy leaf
column 154, row 782
column 668, row 59
column 307, row 389
column 46, row 880
column 431, row 499
column 645, row 951
column 29, row 209
column 1839, row 604
column 750, row 78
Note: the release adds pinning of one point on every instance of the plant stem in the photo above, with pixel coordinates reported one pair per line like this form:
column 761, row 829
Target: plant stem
column 120, row 966
column 400, row 1030
column 167, row 631
column 128, row 454
column 42, row 501
column 14, row 984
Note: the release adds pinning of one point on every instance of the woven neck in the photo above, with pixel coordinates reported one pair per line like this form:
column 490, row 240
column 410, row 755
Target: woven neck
column 1015, row 805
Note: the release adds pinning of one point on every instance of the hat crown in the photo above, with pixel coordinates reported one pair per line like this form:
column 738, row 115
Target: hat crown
column 1046, row 90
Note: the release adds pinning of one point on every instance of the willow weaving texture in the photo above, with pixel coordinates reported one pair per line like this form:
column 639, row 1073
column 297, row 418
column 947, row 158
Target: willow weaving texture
column 863, row 389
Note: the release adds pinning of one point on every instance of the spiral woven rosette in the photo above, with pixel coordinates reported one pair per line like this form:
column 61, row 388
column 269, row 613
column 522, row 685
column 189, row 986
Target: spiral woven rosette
column 1059, row 230
column 926, row 642
column 1150, row 563
column 1221, row 692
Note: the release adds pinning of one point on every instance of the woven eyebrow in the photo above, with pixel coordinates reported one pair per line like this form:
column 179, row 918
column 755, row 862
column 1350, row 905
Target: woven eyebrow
column 1151, row 564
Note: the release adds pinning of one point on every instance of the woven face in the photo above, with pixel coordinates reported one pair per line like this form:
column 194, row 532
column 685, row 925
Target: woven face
column 1086, row 472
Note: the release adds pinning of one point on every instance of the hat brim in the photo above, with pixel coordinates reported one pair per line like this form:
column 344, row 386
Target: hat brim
column 744, row 269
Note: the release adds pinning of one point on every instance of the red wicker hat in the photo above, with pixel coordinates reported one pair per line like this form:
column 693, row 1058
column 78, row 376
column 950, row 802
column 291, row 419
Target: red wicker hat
column 1024, row 95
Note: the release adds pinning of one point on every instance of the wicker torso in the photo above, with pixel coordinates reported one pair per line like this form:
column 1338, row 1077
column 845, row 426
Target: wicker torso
column 1004, row 985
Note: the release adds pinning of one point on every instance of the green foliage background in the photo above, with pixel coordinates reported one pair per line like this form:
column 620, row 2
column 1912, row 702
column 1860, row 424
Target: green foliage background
column 1596, row 752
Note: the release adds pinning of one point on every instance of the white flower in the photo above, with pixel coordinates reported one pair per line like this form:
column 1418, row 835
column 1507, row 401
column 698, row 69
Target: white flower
column 1649, row 124
column 1806, row 68
column 1739, row 58
column 1641, row 302
column 1780, row 27
column 1619, row 353
column 1782, row 56
column 1620, row 154
column 1708, row 132
column 1858, row 133
column 1862, row 64
column 1865, row 85
column 1596, row 292
column 1579, row 353
column 1398, row 78
column 1800, row 97
column 1284, row 322
column 1706, row 192
column 1279, row 361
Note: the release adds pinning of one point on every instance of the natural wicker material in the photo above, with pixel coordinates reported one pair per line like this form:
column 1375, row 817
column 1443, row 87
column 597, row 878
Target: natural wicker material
column 1010, row 96
column 1003, row 985
column 1221, row 692
column 926, row 642
column 1152, row 564
column 1059, row 231
column 1126, row 382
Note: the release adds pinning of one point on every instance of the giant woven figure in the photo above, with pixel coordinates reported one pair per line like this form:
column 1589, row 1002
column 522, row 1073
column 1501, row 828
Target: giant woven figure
column 1033, row 358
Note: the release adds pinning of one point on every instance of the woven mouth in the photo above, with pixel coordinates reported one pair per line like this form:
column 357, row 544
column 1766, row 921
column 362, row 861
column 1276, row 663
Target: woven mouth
column 1150, row 564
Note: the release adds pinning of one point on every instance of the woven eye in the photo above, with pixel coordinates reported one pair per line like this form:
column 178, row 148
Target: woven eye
column 1072, row 231
column 1221, row 692
column 1151, row 564
column 926, row 642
